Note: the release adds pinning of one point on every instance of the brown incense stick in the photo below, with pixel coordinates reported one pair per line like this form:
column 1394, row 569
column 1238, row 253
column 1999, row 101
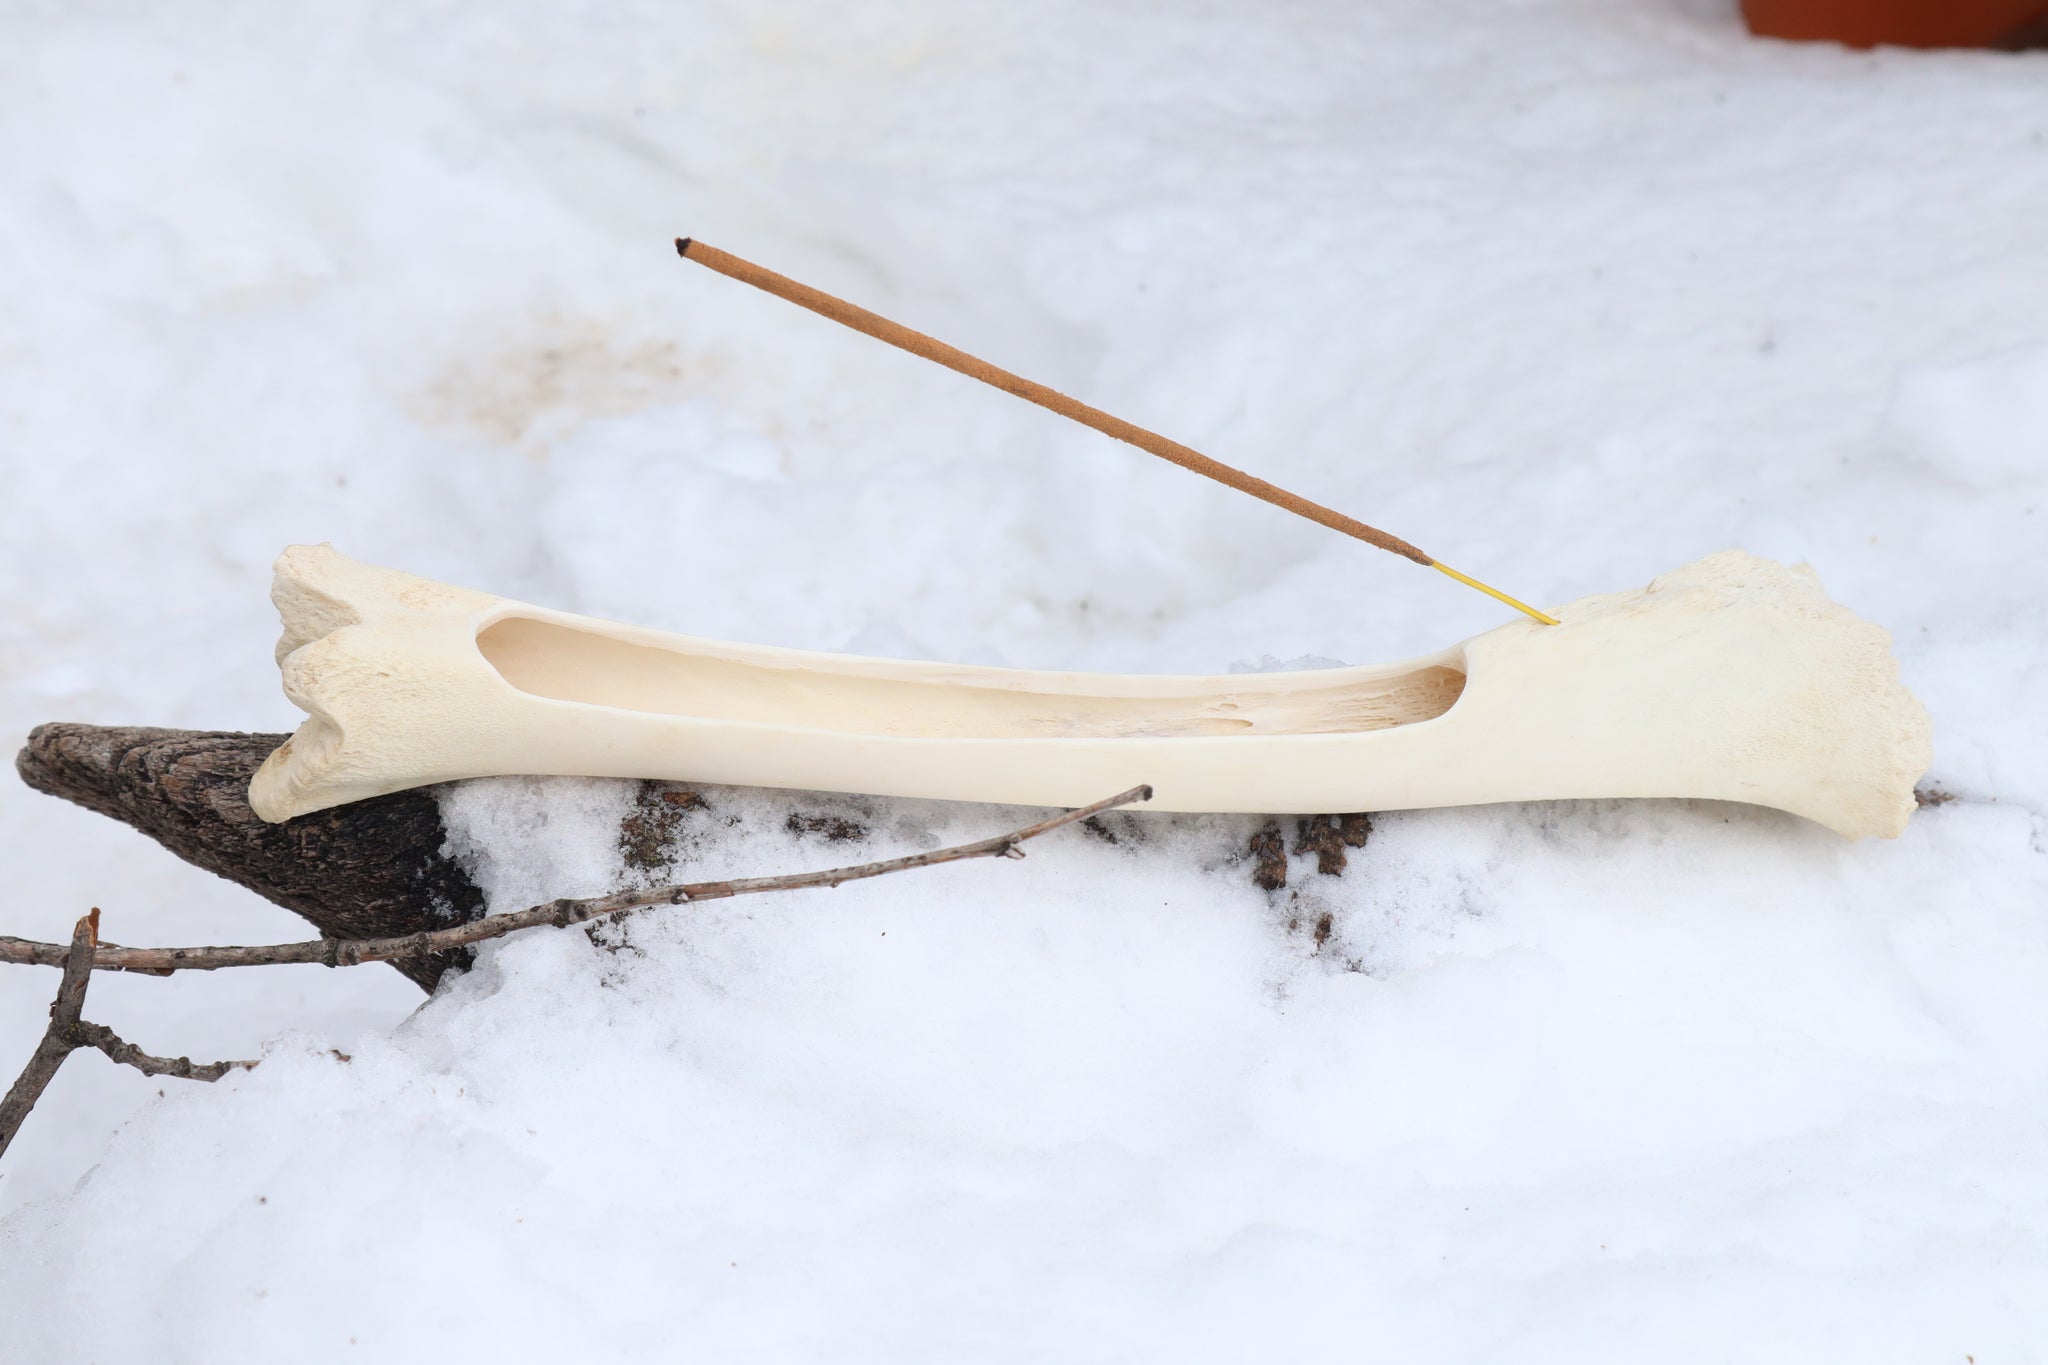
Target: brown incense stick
column 917, row 343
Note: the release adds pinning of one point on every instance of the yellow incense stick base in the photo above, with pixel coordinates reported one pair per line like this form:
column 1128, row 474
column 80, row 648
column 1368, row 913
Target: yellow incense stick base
column 1494, row 593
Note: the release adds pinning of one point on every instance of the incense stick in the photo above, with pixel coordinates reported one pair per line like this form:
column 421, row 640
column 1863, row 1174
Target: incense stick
column 917, row 343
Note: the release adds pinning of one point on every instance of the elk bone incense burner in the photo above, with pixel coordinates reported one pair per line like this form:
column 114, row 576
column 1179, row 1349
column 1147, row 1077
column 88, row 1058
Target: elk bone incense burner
column 1734, row 679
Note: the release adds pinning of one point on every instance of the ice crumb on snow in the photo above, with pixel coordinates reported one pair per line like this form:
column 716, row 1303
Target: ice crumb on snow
column 1267, row 663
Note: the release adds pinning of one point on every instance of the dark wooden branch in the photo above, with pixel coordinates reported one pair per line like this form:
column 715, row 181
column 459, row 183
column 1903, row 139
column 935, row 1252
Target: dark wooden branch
column 372, row 869
column 559, row 914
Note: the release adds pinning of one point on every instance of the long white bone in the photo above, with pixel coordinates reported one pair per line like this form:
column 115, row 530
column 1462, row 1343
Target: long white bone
column 1734, row 679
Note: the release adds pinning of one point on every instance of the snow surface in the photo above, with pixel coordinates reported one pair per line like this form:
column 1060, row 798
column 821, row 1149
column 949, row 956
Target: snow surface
column 1568, row 291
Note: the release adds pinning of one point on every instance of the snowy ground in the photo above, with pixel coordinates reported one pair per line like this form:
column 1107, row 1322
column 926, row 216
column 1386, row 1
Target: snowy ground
column 1568, row 291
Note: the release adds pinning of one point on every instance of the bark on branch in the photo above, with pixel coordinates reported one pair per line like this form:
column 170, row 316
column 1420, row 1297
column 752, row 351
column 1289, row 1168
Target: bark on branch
column 373, row 869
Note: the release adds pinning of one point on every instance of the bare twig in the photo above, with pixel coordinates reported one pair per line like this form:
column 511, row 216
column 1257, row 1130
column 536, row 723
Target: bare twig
column 56, row 1045
column 334, row 952
column 68, row 1033
column 126, row 1053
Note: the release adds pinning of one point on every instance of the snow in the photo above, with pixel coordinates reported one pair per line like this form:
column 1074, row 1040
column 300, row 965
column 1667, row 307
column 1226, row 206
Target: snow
column 1978, row 421
column 1569, row 292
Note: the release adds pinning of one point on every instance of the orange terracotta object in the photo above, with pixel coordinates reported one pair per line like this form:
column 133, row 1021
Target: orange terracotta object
column 1902, row 23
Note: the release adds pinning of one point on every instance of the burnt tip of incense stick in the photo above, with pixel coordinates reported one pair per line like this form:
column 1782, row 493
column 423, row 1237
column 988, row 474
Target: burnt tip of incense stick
column 683, row 247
